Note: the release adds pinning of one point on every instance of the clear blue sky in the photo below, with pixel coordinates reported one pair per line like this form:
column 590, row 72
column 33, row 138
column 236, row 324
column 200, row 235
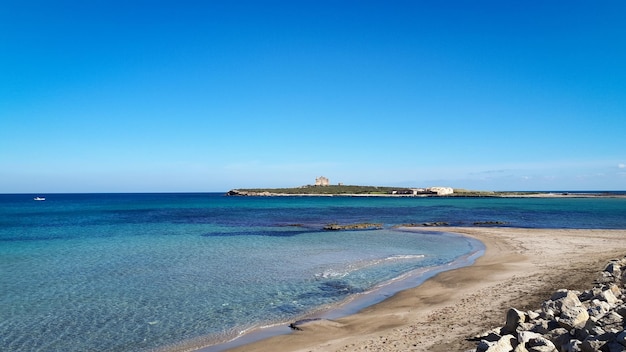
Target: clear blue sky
column 165, row 96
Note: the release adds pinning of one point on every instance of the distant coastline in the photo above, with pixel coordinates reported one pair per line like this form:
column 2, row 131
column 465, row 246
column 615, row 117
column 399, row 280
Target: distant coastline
column 379, row 191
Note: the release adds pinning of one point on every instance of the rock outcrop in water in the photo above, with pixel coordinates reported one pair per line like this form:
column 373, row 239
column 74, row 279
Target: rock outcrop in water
column 570, row 321
column 360, row 226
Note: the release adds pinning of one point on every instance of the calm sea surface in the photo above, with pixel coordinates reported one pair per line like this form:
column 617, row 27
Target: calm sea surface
column 141, row 272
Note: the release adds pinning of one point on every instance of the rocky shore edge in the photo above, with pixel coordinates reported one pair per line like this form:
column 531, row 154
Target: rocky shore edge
column 570, row 321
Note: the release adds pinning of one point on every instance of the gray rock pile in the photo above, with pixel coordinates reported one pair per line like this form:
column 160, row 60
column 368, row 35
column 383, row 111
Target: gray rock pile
column 570, row 321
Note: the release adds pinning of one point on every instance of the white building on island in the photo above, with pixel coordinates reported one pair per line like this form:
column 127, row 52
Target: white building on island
column 441, row 191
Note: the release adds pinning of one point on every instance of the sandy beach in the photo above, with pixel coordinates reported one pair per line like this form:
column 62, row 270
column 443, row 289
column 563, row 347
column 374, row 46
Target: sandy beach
column 520, row 268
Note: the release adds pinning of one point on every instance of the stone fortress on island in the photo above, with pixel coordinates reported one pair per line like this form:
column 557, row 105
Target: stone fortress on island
column 322, row 181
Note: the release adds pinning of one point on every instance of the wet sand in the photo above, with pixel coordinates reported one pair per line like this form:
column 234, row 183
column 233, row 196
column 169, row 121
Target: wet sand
column 520, row 268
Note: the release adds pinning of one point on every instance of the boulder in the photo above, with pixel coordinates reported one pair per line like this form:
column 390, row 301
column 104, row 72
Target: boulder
column 608, row 296
column 506, row 344
column 598, row 308
column 524, row 336
column 614, row 268
column 621, row 310
column 570, row 300
column 561, row 300
column 573, row 318
column 621, row 338
column 616, row 290
column 514, row 318
column 540, row 344
column 543, row 326
column 547, row 313
column 623, row 276
column 615, row 347
column 592, row 344
column 611, row 320
column 573, row 346
column 559, row 337
column 533, row 315
column 492, row 335
column 592, row 328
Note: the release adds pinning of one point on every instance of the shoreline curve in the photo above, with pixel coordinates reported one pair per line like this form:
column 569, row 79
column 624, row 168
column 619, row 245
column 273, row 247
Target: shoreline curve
column 356, row 302
column 521, row 267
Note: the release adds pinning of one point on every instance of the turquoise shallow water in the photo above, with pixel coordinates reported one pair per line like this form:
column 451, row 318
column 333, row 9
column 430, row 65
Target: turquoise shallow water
column 137, row 272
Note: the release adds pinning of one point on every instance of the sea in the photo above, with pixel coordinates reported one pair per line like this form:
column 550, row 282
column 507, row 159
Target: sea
column 167, row 272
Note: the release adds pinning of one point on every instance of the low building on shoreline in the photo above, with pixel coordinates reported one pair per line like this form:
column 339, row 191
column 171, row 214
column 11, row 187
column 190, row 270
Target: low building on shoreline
column 440, row 191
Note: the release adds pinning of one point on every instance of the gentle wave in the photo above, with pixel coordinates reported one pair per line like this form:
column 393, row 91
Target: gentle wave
column 406, row 256
column 340, row 273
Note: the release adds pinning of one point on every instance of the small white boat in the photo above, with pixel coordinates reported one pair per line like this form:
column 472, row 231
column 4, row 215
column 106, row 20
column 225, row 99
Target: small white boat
column 39, row 198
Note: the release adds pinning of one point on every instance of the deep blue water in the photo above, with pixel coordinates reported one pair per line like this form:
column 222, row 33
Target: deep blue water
column 138, row 272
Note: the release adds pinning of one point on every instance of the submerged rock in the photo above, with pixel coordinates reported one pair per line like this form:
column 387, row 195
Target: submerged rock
column 489, row 223
column 360, row 226
column 338, row 288
column 436, row 223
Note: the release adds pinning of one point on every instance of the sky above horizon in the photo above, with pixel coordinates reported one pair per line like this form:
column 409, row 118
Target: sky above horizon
column 203, row 96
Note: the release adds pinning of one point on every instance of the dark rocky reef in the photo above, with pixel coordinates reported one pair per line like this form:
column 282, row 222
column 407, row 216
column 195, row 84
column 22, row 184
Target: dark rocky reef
column 424, row 224
column 360, row 226
column 296, row 325
column 489, row 223
column 436, row 223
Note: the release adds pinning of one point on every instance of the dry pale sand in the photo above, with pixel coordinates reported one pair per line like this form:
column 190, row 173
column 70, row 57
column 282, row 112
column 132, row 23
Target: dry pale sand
column 520, row 268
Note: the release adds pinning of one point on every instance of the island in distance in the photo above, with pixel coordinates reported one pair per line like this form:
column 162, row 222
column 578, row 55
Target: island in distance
column 342, row 190
column 322, row 187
